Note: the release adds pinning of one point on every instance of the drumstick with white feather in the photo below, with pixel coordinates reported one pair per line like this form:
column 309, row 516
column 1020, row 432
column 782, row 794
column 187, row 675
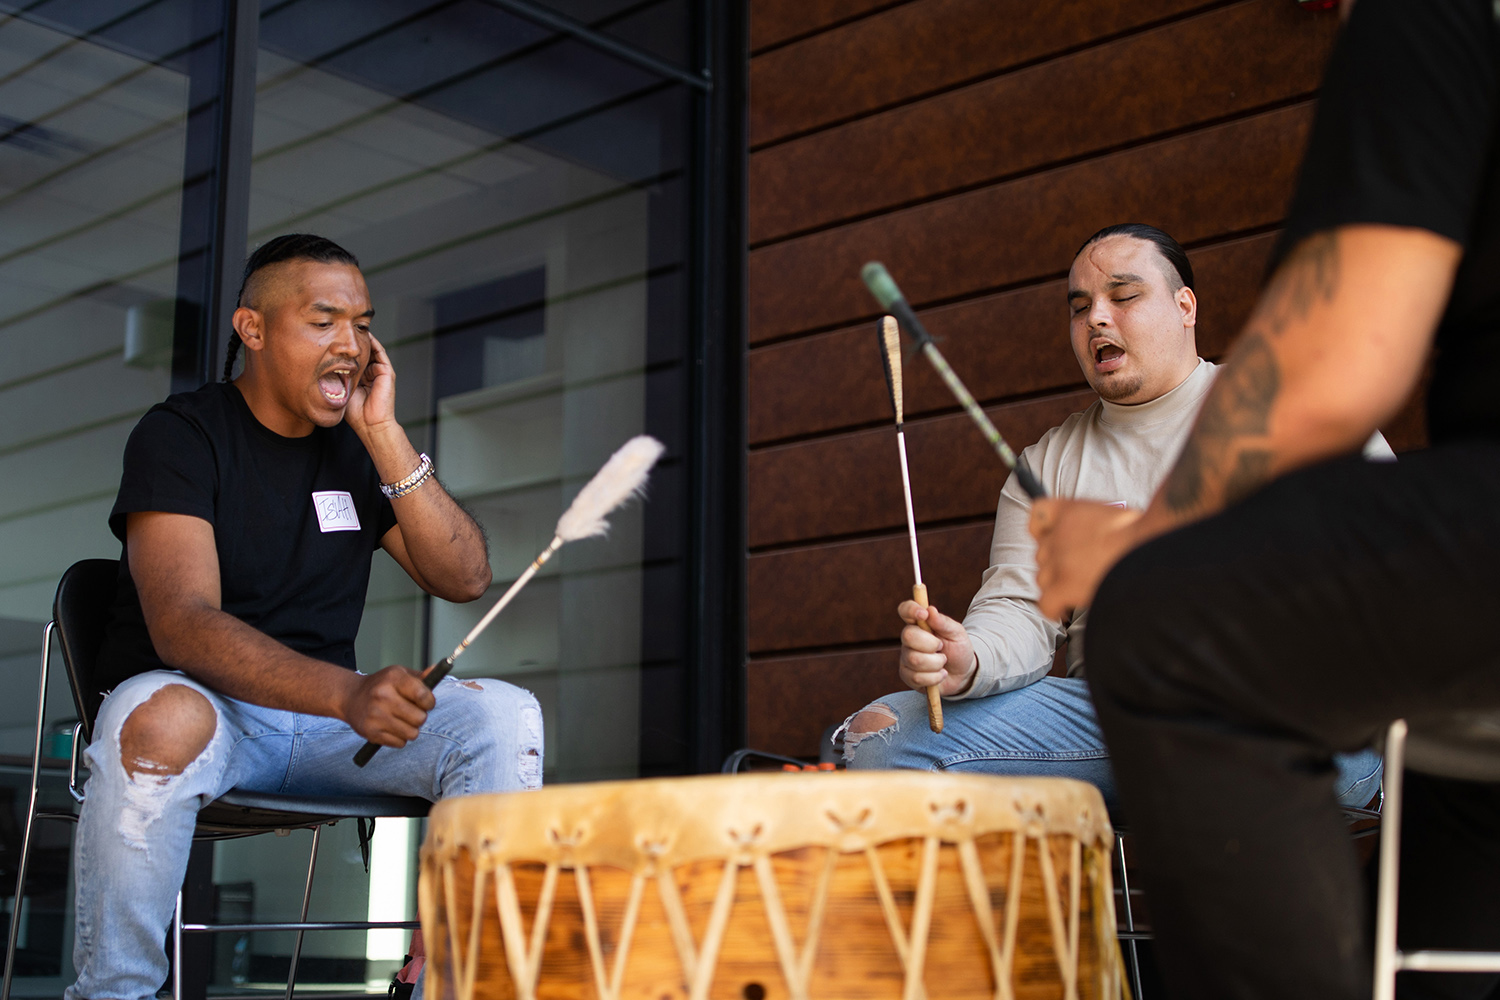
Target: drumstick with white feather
column 890, row 359
column 621, row 478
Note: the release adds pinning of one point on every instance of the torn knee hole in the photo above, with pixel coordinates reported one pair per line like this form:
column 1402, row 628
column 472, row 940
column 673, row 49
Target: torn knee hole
column 471, row 685
column 166, row 732
column 871, row 720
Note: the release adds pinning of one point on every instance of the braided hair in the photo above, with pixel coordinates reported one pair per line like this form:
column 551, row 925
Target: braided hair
column 1169, row 248
column 293, row 246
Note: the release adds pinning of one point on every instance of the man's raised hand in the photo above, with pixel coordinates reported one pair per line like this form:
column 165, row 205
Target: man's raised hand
column 373, row 401
column 942, row 657
column 389, row 707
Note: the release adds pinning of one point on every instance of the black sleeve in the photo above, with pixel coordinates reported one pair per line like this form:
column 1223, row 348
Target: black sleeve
column 1404, row 121
column 169, row 467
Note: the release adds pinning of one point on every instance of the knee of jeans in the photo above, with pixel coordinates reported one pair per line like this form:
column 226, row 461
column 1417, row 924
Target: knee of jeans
column 162, row 740
column 165, row 734
column 876, row 721
column 492, row 706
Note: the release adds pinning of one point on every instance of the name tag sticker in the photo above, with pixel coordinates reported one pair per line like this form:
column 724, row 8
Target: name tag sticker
column 335, row 511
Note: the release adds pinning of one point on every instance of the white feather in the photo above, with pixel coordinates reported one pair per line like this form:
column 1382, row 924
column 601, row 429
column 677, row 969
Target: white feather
column 621, row 478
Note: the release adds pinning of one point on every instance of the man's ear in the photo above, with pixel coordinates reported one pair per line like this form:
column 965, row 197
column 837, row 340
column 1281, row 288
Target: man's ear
column 250, row 325
column 1187, row 304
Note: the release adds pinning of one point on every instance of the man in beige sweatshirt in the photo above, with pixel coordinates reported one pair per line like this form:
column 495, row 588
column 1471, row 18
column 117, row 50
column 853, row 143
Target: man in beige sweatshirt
column 1133, row 329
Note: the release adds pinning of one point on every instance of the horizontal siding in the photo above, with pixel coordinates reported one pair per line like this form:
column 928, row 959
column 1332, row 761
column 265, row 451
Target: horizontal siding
column 971, row 145
column 850, row 484
column 1227, row 62
column 1211, row 183
column 915, row 49
column 775, row 22
column 844, row 593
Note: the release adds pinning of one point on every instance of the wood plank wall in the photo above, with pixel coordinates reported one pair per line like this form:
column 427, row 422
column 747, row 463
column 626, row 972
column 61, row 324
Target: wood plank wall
column 972, row 145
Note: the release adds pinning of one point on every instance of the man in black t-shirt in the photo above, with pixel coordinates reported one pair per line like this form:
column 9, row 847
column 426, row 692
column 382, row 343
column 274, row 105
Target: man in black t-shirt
column 1279, row 602
column 249, row 512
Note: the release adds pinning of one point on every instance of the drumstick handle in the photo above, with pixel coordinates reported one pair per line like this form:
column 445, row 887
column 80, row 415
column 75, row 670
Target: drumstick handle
column 433, row 674
column 934, row 698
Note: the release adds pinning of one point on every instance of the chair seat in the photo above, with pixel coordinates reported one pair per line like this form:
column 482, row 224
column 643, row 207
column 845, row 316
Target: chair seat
column 241, row 813
column 1464, row 746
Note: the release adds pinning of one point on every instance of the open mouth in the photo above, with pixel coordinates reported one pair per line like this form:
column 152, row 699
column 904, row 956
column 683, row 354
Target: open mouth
column 335, row 386
column 1108, row 357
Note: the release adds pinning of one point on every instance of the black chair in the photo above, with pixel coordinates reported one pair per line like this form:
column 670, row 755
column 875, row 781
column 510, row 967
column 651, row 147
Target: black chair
column 79, row 613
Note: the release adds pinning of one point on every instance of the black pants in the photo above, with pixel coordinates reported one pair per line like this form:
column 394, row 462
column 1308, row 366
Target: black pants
column 1228, row 660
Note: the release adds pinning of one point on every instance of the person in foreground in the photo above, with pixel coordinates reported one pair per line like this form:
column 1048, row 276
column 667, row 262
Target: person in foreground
column 250, row 511
column 1281, row 601
column 1133, row 329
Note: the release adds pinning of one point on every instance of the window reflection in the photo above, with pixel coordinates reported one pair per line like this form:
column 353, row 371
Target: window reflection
column 92, row 132
column 518, row 199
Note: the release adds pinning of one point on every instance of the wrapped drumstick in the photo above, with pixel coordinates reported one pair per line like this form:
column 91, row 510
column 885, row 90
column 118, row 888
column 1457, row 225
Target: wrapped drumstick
column 890, row 357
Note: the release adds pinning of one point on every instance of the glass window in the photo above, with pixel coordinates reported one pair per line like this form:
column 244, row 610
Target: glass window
column 517, row 200
column 520, row 197
column 93, row 107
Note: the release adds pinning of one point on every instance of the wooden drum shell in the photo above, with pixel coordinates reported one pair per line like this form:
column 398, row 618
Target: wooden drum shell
column 762, row 887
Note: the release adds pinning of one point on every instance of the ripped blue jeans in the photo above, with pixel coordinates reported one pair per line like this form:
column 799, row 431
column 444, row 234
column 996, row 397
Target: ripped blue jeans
column 131, row 851
column 1045, row 729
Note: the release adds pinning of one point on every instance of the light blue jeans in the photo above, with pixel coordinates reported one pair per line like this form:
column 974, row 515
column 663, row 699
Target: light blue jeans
column 131, row 851
column 1045, row 729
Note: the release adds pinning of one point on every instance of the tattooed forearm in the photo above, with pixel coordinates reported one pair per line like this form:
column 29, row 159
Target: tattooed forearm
column 1240, row 402
column 1309, row 275
column 1239, row 406
column 1251, row 471
column 1184, row 486
column 1226, row 456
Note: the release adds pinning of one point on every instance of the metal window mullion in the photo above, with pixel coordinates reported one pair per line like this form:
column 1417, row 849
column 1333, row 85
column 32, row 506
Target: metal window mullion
column 214, row 226
column 717, row 417
column 237, row 138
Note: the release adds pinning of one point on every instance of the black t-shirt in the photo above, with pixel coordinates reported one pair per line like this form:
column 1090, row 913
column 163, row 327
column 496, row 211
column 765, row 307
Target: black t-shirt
column 1406, row 136
column 296, row 521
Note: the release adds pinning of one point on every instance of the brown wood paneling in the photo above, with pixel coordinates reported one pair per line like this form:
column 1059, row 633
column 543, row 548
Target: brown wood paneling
column 1216, row 181
column 790, row 701
column 919, row 48
column 971, row 145
column 774, row 21
column 846, row 592
column 1205, row 68
column 1003, row 345
column 851, row 483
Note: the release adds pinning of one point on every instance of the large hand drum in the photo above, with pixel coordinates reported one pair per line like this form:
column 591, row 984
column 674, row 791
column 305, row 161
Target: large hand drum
column 760, row 887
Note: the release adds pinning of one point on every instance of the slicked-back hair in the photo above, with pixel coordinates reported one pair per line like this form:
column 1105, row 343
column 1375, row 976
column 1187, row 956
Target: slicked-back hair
column 1169, row 248
column 292, row 246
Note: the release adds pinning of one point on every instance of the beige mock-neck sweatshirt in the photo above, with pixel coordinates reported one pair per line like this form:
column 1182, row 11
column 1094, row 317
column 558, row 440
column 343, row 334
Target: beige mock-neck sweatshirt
column 1111, row 453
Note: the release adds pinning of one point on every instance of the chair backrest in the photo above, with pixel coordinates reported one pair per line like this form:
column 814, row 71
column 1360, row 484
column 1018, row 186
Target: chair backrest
column 81, row 611
column 1463, row 745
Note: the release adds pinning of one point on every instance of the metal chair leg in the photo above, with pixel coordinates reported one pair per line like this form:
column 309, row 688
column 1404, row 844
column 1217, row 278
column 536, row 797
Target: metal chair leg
column 1390, row 863
column 1135, row 955
column 36, row 777
column 177, row 949
column 312, row 864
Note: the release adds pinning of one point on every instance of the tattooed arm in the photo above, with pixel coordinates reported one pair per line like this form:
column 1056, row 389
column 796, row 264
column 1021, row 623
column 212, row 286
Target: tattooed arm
column 1333, row 348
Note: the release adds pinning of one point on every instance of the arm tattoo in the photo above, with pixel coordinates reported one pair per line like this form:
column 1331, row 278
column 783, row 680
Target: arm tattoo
column 1217, row 462
column 1238, row 406
column 1310, row 275
column 1251, row 470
